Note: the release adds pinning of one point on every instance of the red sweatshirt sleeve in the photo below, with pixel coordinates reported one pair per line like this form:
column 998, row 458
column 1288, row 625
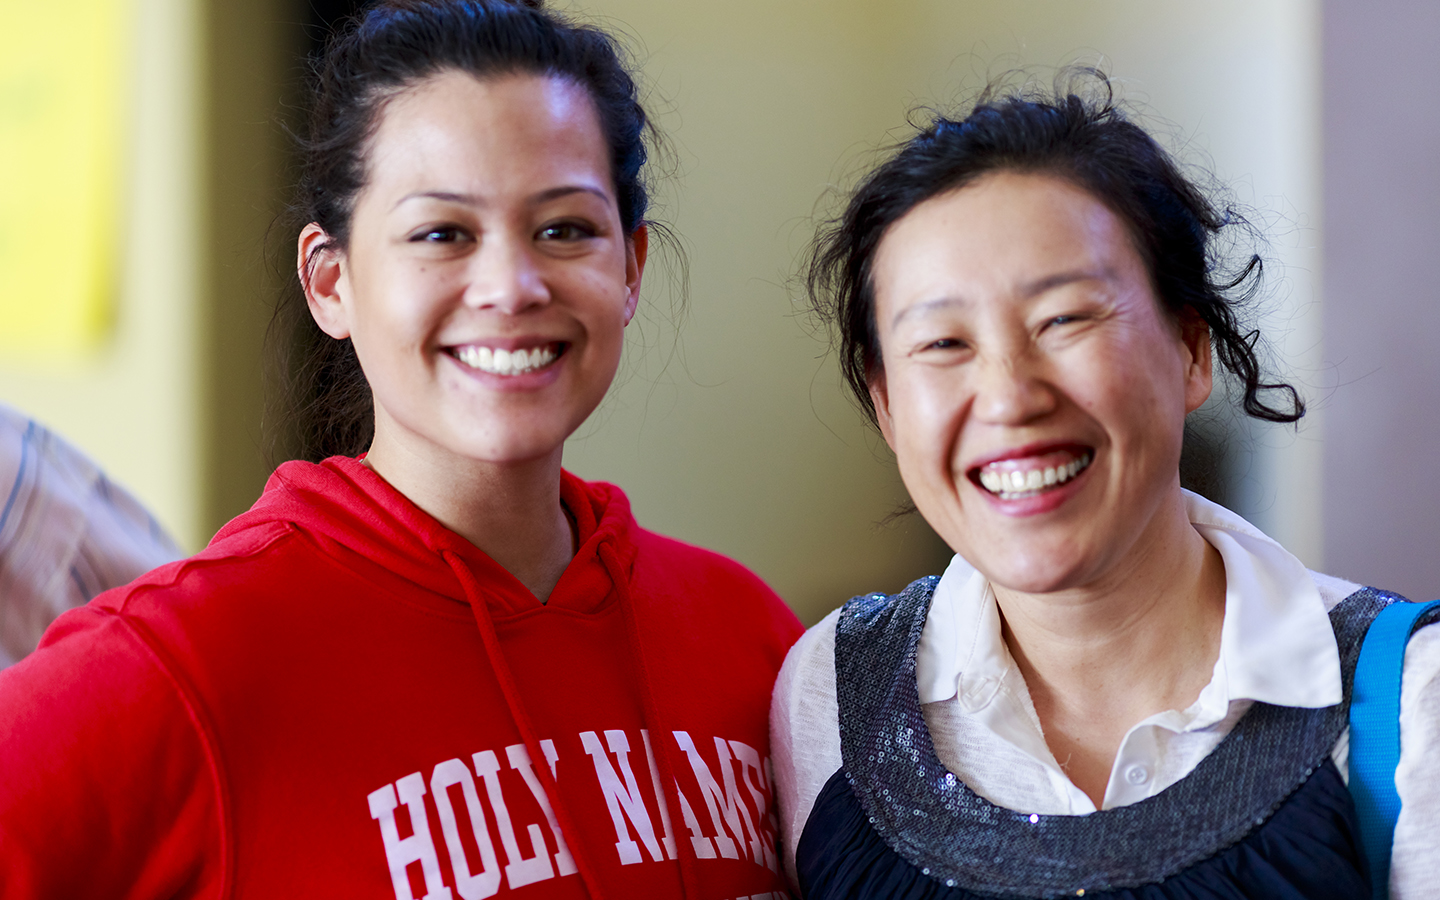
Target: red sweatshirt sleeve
column 108, row 786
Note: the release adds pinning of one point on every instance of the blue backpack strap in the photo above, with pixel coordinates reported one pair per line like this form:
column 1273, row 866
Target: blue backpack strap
column 1375, row 733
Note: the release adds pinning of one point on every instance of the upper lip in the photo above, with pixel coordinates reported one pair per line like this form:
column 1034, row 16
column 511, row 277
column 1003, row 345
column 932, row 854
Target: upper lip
column 507, row 343
column 1035, row 448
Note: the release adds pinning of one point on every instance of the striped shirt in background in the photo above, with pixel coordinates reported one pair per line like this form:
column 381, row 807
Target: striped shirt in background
column 66, row 533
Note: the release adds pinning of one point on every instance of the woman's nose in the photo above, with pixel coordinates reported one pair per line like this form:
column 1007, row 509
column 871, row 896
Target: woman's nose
column 1010, row 390
column 505, row 277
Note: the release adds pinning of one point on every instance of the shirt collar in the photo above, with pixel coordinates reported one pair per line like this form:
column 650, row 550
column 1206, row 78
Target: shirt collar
column 1276, row 643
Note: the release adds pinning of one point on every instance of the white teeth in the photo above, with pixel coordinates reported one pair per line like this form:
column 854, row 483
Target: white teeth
column 506, row 362
column 1014, row 484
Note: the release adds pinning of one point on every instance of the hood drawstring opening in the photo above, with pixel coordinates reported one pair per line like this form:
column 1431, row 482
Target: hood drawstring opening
column 685, row 854
column 501, row 668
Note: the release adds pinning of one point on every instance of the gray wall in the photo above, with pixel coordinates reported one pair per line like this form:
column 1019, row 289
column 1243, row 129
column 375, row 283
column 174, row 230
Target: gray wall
column 1382, row 292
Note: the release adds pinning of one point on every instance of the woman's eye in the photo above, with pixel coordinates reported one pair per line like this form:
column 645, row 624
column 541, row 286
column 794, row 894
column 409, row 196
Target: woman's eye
column 445, row 234
column 945, row 344
column 1062, row 320
column 565, row 231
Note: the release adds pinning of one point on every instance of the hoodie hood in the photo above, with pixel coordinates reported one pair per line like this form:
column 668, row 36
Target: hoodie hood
column 342, row 501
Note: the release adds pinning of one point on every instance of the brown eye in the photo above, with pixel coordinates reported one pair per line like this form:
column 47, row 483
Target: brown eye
column 565, row 231
column 444, row 235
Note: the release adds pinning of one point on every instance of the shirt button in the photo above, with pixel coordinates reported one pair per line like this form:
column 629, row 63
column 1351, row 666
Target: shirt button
column 1137, row 774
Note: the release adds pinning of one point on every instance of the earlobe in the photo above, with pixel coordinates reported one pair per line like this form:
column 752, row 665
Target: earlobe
column 320, row 267
column 1199, row 374
column 637, row 248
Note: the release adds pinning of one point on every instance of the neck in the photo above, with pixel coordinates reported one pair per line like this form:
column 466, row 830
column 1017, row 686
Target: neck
column 1101, row 657
column 511, row 511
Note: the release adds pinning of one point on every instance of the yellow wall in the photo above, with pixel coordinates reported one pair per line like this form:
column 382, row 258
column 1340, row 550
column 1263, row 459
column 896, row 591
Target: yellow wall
column 736, row 434
column 170, row 403
column 133, row 403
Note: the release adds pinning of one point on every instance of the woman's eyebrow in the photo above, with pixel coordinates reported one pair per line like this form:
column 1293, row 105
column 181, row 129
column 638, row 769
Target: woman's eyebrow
column 1060, row 279
column 556, row 193
column 477, row 200
column 1029, row 290
column 443, row 196
column 927, row 306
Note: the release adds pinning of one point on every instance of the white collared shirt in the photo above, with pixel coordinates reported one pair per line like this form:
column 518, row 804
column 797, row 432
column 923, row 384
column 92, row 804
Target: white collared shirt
column 1276, row 646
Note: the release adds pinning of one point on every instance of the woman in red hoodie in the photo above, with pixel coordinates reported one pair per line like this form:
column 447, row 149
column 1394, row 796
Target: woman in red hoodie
column 446, row 666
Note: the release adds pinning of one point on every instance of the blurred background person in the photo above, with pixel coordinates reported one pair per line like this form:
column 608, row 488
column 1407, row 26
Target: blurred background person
column 66, row 532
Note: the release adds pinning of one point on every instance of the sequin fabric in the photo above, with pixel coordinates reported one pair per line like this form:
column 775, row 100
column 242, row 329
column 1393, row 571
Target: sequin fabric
column 956, row 837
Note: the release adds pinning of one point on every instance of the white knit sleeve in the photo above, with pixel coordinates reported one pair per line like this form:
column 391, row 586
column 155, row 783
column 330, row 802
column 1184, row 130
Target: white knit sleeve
column 1414, row 860
column 804, row 731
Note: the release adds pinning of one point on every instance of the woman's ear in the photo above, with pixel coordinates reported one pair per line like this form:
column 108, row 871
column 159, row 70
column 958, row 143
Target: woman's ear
column 1199, row 374
column 880, row 399
column 637, row 248
column 321, row 267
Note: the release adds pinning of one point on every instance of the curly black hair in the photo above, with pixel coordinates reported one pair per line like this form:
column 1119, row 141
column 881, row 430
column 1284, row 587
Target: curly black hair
column 1089, row 141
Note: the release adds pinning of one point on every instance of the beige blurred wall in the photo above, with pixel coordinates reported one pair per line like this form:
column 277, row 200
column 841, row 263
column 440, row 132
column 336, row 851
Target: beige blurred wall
column 735, row 434
column 743, row 440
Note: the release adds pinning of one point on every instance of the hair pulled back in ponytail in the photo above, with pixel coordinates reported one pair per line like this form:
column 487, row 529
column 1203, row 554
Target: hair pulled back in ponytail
column 321, row 403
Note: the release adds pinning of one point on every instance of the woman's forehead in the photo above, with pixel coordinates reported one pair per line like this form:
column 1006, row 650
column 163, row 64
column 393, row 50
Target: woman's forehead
column 1017, row 234
column 460, row 133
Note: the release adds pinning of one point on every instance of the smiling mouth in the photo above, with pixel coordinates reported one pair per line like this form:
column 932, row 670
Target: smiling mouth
column 1029, row 476
column 508, row 363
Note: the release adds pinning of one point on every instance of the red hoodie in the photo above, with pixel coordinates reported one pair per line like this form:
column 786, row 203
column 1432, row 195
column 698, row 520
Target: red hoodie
column 341, row 698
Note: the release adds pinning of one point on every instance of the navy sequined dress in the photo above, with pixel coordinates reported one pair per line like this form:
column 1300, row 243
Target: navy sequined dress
column 1264, row 815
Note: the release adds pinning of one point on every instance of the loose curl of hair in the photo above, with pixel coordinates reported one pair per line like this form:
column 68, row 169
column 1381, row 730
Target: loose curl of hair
column 321, row 398
column 1089, row 142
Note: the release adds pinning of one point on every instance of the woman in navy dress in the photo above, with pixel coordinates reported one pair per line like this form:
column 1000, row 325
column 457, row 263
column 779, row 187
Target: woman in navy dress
column 1117, row 688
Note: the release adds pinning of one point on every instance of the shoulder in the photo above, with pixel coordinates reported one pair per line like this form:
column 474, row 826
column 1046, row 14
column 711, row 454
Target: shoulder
column 1333, row 589
column 804, row 702
column 680, row 560
column 128, row 637
column 804, row 730
column 709, row 583
column 1414, row 864
column 97, row 720
column 240, row 563
column 812, row 660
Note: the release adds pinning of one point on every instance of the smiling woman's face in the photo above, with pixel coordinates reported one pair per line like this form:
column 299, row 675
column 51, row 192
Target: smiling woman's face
column 1032, row 389
column 487, row 281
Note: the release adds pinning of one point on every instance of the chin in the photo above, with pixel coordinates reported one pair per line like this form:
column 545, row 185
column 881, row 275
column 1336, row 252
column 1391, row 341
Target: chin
column 1031, row 575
